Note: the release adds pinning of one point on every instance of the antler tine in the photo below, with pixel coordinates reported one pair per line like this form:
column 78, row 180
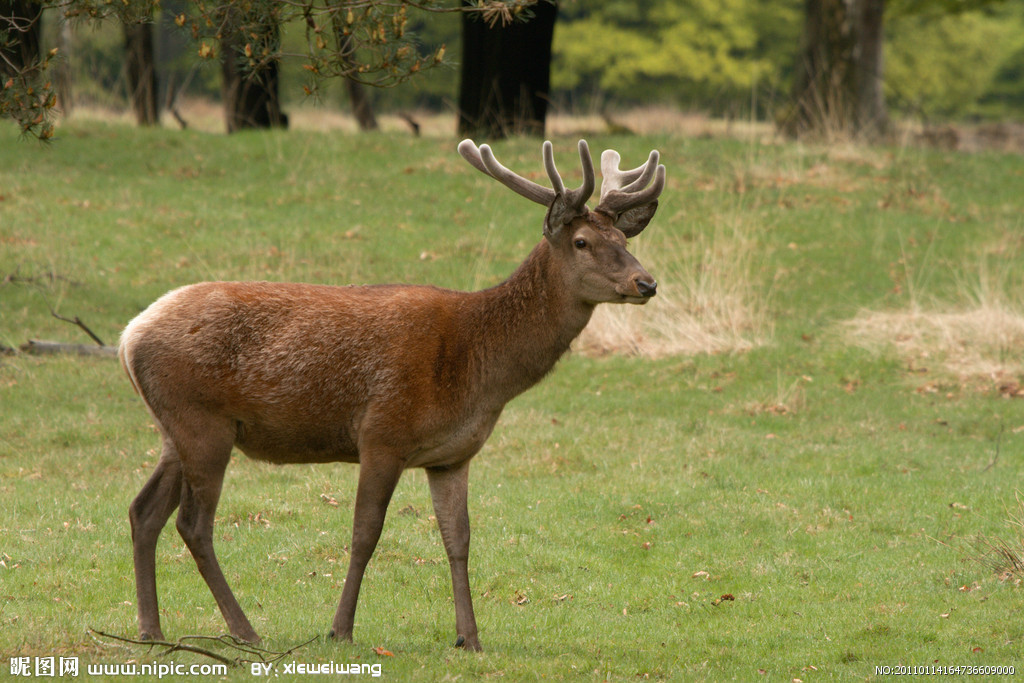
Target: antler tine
column 482, row 159
column 583, row 192
column 548, row 154
column 623, row 190
column 625, row 181
column 574, row 202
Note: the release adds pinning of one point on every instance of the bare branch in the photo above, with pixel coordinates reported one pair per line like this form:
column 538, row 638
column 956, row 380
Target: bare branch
column 171, row 647
column 260, row 654
column 78, row 321
column 36, row 347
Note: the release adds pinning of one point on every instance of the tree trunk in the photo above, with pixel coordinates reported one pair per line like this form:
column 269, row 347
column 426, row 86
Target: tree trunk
column 506, row 74
column 140, row 66
column 62, row 73
column 362, row 108
column 250, row 93
column 872, row 116
column 22, row 19
column 838, row 85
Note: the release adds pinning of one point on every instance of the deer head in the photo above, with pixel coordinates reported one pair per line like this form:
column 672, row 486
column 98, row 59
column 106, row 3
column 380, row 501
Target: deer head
column 591, row 244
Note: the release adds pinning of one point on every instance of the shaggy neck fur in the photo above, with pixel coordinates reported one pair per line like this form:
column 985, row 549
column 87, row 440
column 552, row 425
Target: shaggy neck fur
column 521, row 327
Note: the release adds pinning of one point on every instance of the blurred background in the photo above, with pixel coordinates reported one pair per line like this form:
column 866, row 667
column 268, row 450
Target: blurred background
column 947, row 72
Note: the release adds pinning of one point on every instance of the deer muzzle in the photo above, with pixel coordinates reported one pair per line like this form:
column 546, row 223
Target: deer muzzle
column 647, row 288
column 639, row 288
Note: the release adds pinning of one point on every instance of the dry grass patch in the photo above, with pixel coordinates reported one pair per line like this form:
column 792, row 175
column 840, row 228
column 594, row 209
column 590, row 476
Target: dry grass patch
column 1004, row 556
column 979, row 338
column 983, row 342
column 207, row 115
column 709, row 300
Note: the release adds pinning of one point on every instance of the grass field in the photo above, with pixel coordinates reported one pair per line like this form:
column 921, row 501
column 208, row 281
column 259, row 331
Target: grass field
column 790, row 468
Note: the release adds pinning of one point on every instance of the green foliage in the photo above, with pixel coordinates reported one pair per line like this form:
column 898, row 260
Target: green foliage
column 943, row 65
column 830, row 491
column 27, row 95
column 677, row 51
column 28, row 98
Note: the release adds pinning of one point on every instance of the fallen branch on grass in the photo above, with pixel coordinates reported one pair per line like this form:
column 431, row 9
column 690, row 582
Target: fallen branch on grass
column 413, row 123
column 260, row 654
column 78, row 322
column 36, row 347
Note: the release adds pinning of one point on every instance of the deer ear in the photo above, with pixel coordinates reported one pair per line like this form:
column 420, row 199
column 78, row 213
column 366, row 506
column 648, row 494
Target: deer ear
column 560, row 214
column 632, row 221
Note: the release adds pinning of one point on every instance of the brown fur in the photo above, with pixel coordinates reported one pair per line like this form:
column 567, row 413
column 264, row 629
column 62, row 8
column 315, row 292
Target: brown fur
column 389, row 376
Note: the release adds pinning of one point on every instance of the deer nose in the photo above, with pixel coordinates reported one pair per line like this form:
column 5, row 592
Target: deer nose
column 647, row 289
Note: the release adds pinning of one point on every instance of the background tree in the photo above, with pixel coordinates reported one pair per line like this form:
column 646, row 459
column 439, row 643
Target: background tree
column 950, row 60
column 245, row 37
column 62, row 78
column 838, row 84
column 140, row 71
column 20, row 31
column 712, row 55
column 732, row 58
column 250, row 42
column 362, row 109
column 505, row 81
column 23, row 95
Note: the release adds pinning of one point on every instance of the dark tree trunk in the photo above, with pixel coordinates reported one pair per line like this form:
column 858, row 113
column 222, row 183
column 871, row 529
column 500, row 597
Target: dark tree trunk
column 506, row 75
column 251, row 92
column 22, row 21
column 872, row 116
column 62, row 73
column 362, row 108
column 838, row 84
column 140, row 66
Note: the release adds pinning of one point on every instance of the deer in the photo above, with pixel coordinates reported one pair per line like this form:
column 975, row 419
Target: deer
column 391, row 377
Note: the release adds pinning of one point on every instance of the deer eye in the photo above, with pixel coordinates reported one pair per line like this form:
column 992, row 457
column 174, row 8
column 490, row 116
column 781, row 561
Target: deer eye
column 580, row 243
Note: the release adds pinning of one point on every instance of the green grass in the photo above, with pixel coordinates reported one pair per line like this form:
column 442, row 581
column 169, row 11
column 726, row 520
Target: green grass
column 831, row 490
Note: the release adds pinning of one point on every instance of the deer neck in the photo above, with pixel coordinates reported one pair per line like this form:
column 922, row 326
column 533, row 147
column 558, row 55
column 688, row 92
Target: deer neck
column 525, row 324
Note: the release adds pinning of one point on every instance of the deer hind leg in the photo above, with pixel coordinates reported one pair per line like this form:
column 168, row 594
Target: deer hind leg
column 148, row 515
column 203, row 466
column 449, row 489
column 378, row 476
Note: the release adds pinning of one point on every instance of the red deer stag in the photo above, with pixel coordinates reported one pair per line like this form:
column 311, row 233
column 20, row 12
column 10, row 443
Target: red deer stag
column 389, row 376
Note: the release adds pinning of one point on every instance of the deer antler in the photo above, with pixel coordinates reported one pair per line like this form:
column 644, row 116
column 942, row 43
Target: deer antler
column 565, row 204
column 623, row 190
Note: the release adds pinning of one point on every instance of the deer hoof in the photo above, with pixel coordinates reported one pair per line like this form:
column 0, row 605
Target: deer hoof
column 333, row 635
column 468, row 645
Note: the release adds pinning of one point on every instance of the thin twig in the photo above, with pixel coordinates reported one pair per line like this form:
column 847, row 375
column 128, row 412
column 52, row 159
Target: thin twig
column 172, row 647
column 78, row 321
column 261, row 654
column 999, row 441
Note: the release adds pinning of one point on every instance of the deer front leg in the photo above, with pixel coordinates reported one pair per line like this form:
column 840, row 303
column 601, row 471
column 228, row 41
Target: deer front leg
column 449, row 489
column 378, row 476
